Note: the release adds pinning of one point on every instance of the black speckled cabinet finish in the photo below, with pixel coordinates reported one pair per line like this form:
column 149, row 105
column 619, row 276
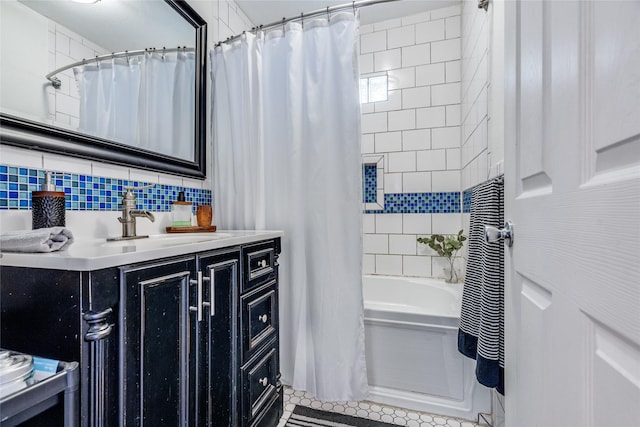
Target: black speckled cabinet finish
column 157, row 345
column 66, row 315
column 185, row 341
column 261, row 392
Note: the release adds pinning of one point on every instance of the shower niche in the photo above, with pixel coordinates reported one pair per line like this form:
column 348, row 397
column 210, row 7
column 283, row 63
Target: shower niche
column 373, row 182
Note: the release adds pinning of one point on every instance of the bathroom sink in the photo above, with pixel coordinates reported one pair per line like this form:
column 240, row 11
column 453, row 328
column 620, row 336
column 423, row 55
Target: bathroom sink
column 164, row 240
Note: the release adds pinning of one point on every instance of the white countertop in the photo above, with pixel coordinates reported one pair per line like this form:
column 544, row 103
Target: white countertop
column 86, row 255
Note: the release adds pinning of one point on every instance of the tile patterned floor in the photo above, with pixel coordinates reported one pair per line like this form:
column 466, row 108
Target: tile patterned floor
column 373, row 411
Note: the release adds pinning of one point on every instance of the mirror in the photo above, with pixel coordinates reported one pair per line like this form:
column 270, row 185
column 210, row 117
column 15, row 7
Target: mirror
column 118, row 103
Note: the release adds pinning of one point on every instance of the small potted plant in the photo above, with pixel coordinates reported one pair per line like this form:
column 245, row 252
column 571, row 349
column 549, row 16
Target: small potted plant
column 446, row 246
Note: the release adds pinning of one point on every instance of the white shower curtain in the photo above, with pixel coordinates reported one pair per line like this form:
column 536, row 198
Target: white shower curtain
column 105, row 111
column 147, row 101
column 287, row 156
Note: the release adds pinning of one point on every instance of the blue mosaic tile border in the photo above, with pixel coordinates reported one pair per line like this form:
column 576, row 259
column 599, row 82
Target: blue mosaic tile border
column 445, row 202
column 370, row 183
column 466, row 200
column 91, row 193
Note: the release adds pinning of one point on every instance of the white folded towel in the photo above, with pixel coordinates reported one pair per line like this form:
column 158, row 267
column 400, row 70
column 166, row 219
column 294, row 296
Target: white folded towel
column 39, row 240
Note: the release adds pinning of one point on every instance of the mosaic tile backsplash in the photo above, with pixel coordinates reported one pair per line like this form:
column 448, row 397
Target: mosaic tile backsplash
column 446, row 202
column 370, row 182
column 91, row 193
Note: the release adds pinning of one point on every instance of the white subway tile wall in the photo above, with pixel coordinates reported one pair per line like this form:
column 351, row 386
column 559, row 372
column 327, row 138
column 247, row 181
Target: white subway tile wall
column 393, row 102
column 432, row 160
column 419, row 182
column 389, row 223
column 415, row 140
column 399, row 37
column 66, row 47
column 416, row 97
column 416, row 224
column 431, row 117
column 474, row 107
column 431, row 74
column 389, row 264
column 388, row 141
column 445, row 181
column 418, row 130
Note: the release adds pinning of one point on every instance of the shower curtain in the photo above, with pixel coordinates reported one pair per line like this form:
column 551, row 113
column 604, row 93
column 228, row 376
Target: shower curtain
column 287, row 156
column 147, row 101
column 109, row 98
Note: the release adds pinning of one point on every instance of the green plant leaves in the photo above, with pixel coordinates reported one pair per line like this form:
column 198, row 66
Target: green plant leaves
column 445, row 246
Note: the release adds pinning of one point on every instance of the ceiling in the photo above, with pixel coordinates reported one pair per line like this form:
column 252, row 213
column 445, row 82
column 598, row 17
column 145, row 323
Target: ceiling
column 268, row 11
column 118, row 25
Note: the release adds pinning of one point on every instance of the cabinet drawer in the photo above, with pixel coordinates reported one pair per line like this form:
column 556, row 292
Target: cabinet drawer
column 259, row 318
column 259, row 383
column 259, row 265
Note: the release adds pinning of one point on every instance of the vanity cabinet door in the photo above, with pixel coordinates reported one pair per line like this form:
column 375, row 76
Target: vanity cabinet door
column 217, row 403
column 160, row 336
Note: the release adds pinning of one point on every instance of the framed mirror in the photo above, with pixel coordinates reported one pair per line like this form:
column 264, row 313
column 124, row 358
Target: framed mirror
column 121, row 81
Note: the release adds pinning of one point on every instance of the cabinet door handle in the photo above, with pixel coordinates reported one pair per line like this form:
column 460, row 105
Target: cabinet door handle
column 264, row 381
column 199, row 303
column 263, row 318
column 212, row 294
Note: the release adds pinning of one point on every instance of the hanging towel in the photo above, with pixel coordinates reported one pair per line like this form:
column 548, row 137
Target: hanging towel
column 39, row 240
column 481, row 333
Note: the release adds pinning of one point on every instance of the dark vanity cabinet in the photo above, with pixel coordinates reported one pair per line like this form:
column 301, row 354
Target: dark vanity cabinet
column 261, row 396
column 178, row 322
column 192, row 340
column 67, row 316
column 157, row 347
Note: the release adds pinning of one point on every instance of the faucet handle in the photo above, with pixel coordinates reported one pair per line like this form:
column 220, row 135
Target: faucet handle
column 144, row 187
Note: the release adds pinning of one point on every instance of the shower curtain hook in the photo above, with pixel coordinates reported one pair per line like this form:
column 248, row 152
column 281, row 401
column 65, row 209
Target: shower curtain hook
column 328, row 15
column 302, row 19
column 163, row 50
column 97, row 62
column 126, row 55
column 283, row 19
column 354, row 7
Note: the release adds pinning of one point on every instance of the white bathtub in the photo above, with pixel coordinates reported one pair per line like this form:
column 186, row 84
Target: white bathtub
column 411, row 328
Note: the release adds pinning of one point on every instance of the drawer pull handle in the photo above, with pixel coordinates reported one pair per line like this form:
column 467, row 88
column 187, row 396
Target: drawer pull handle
column 262, row 264
column 199, row 304
column 264, row 381
column 263, row 318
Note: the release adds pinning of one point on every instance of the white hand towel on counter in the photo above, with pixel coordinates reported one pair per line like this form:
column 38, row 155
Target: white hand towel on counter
column 39, row 240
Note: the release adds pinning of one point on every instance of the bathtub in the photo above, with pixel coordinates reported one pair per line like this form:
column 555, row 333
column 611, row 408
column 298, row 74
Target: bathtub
column 411, row 330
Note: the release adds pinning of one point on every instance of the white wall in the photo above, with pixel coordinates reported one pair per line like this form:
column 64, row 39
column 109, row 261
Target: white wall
column 417, row 131
column 31, row 46
column 223, row 19
column 482, row 111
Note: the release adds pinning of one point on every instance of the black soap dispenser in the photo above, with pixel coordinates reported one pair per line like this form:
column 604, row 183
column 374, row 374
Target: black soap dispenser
column 48, row 205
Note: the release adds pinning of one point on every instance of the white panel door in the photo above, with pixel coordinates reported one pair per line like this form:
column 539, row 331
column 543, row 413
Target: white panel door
column 572, row 190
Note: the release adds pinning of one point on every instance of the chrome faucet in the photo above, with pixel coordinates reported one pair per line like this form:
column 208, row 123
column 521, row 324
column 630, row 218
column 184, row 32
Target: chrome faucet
column 130, row 213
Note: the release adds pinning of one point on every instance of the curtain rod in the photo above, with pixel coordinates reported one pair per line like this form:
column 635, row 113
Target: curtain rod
column 328, row 10
column 127, row 53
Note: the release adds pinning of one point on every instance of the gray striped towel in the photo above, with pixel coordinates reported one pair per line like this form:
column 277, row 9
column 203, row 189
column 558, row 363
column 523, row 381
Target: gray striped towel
column 481, row 333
